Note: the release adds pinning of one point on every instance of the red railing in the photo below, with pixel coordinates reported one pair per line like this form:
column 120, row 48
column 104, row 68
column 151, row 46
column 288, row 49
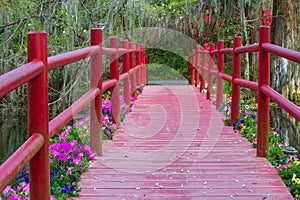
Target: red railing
column 36, row 148
column 265, row 92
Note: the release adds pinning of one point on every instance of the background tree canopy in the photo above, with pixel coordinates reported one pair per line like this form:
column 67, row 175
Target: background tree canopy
column 68, row 23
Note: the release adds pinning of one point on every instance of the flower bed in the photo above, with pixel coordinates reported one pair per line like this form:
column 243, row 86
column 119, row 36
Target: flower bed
column 70, row 156
column 287, row 166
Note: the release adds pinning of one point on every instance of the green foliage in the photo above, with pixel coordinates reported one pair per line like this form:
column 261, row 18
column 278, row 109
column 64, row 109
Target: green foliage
column 168, row 59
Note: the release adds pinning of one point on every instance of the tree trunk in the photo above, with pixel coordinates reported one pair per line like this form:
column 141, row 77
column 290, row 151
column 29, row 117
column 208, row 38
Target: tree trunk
column 285, row 76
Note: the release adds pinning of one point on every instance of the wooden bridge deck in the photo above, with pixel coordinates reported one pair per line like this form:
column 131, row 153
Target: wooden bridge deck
column 174, row 146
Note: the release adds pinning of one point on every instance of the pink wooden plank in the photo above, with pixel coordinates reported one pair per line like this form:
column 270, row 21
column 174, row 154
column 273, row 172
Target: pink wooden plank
column 173, row 145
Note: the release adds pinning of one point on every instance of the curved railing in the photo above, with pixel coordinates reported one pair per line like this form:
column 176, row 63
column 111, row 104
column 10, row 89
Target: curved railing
column 265, row 92
column 35, row 149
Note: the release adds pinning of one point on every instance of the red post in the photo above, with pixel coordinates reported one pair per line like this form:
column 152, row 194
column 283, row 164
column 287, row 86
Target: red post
column 114, row 74
column 142, row 64
column 236, row 73
column 263, row 100
column 38, row 117
column 197, row 65
column 193, row 67
column 132, row 66
column 189, row 68
column 211, row 64
column 96, row 104
column 126, row 84
column 138, row 62
column 203, row 73
column 220, row 82
column 146, row 68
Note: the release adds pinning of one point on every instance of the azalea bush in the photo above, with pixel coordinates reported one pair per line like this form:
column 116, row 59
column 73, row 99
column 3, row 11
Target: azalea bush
column 70, row 155
column 69, row 158
column 287, row 166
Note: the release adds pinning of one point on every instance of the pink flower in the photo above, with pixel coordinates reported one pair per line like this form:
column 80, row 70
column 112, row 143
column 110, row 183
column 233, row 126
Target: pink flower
column 7, row 189
column 66, row 146
column 62, row 157
column 74, row 143
column 92, row 157
column 76, row 161
column 80, row 156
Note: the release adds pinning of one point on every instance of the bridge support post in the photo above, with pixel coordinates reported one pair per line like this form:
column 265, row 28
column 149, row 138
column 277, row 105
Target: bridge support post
column 96, row 104
column 197, row 65
column 138, row 63
column 236, row 73
column 133, row 73
column 39, row 165
column 189, row 68
column 263, row 100
column 203, row 73
column 126, row 83
column 211, row 64
column 220, row 82
column 193, row 67
column 114, row 74
column 146, row 68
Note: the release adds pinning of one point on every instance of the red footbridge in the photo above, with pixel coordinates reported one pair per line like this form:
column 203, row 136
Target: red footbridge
column 173, row 145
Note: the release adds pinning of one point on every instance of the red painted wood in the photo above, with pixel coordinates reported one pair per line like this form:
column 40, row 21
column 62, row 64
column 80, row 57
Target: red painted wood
column 281, row 51
column 197, row 65
column 126, row 67
column 15, row 78
column 220, row 82
column 263, row 101
column 39, row 166
column 247, row 49
column 284, row 103
column 203, row 73
column 138, row 63
column 70, row 57
column 170, row 149
column 114, row 74
column 15, row 163
column 236, row 73
column 67, row 115
column 211, row 65
column 96, row 103
column 193, row 67
column 133, row 74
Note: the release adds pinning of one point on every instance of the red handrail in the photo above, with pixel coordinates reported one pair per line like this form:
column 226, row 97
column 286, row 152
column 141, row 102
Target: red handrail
column 35, row 73
column 265, row 92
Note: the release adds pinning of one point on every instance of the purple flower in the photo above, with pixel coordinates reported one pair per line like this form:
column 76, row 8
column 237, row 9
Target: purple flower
column 62, row 157
column 66, row 146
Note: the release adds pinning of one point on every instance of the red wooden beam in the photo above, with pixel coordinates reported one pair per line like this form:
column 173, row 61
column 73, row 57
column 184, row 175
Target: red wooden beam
column 38, row 117
column 15, row 78
column 236, row 73
column 203, row 64
column 71, row 57
column 284, row 103
column 126, row 67
column 96, row 103
column 220, row 82
column 263, row 100
column 211, row 65
column 281, row 51
column 133, row 74
column 15, row 163
column 114, row 74
column 67, row 115
column 247, row 49
column 197, row 65
column 193, row 67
